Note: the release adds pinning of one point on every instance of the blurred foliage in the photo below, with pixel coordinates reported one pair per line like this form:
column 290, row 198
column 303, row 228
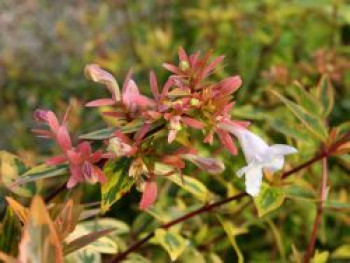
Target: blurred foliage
column 284, row 46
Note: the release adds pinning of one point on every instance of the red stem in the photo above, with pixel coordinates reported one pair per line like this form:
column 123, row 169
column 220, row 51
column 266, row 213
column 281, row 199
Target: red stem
column 203, row 209
column 318, row 218
column 207, row 208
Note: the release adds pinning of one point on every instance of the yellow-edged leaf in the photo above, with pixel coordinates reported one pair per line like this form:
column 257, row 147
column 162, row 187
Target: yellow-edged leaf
column 269, row 199
column 118, row 182
column 313, row 123
column 172, row 242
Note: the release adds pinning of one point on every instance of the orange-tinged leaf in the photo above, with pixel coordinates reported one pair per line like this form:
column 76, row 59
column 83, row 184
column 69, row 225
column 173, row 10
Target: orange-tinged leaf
column 21, row 211
column 40, row 241
column 67, row 219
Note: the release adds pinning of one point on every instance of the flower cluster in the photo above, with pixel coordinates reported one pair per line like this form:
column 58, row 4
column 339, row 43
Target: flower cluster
column 82, row 161
column 188, row 102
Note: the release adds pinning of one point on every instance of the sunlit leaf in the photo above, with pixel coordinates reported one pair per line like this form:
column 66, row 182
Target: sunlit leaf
column 97, row 235
column 83, row 256
column 92, row 241
column 320, row 257
column 21, row 211
column 190, row 255
column 136, row 258
column 11, row 167
column 118, row 182
column 342, row 252
column 172, row 242
column 311, row 122
column 269, row 199
column 40, row 241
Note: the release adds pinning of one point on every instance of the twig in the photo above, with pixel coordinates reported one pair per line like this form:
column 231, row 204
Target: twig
column 207, row 208
column 319, row 156
column 203, row 209
column 318, row 218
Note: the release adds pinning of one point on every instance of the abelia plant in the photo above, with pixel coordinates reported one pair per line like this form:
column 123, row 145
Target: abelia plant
column 151, row 139
column 188, row 100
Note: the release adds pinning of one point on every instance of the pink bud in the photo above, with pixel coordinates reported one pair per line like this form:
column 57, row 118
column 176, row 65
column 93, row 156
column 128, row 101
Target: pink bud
column 63, row 138
column 95, row 73
column 40, row 115
column 149, row 195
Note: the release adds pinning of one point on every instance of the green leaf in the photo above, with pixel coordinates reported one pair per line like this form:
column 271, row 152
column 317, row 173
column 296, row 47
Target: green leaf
column 326, row 94
column 118, row 182
column 41, row 172
column 289, row 129
column 311, row 122
column 190, row 184
column 269, row 199
column 305, row 100
column 172, row 242
column 190, row 255
column 10, row 232
column 231, row 231
column 83, row 256
column 98, row 135
column 93, row 241
column 342, row 252
column 336, row 205
column 320, row 257
column 96, row 235
column 136, row 258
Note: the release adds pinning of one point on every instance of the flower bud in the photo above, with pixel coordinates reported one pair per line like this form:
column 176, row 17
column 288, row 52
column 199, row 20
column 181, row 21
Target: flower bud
column 184, row 65
column 194, row 102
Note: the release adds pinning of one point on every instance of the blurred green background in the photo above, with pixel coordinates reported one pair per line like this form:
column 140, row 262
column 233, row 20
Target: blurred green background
column 44, row 46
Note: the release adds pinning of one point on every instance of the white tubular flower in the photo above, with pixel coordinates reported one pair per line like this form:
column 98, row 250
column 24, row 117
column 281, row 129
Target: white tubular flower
column 259, row 155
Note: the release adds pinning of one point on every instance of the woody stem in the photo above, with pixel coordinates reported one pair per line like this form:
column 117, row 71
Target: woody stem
column 318, row 218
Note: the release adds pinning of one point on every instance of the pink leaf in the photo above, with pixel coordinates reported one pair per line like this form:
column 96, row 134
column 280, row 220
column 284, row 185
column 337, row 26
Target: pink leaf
column 149, row 195
column 74, row 157
column 226, row 140
column 84, row 148
column 52, row 121
column 56, row 160
column 193, row 122
column 63, row 138
column 172, row 68
column 100, row 102
column 154, row 85
column 230, row 85
column 182, row 55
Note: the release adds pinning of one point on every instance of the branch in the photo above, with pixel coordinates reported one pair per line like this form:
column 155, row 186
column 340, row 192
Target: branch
column 207, row 208
column 203, row 209
column 318, row 218
column 319, row 156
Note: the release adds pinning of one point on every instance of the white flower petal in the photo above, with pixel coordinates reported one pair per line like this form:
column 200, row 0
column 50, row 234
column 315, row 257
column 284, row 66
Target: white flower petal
column 275, row 164
column 242, row 171
column 253, row 179
column 252, row 145
column 282, row 149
